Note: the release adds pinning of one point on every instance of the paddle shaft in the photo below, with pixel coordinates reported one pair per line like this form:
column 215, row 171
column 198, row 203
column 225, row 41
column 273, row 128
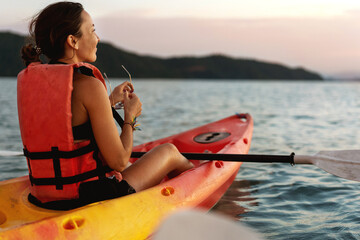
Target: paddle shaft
column 204, row 156
column 217, row 157
column 232, row 157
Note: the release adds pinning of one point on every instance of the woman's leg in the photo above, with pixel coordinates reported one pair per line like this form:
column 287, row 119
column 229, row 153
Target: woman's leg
column 151, row 168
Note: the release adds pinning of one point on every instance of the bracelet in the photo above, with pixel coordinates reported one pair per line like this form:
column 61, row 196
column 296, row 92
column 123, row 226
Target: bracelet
column 133, row 124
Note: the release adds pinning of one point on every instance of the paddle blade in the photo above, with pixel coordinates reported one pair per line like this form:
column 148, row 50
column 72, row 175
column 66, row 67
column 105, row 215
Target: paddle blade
column 4, row 153
column 343, row 163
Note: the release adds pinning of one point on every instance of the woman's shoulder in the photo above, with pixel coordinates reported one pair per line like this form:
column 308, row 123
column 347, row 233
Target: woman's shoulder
column 91, row 94
column 88, row 89
column 87, row 86
column 87, row 81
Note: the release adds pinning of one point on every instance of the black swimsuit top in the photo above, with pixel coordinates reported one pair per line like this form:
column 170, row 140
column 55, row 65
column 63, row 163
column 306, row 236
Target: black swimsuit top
column 83, row 131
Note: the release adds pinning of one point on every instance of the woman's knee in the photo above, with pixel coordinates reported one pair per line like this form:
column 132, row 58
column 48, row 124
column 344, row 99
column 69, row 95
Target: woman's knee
column 171, row 148
column 172, row 153
column 168, row 149
column 181, row 161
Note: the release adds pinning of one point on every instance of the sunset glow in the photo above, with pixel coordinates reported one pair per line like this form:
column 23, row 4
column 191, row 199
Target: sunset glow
column 321, row 35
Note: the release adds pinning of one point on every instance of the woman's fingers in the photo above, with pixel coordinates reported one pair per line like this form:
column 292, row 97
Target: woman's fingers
column 131, row 87
column 132, row 104
column 117, row 95
column 127, row 86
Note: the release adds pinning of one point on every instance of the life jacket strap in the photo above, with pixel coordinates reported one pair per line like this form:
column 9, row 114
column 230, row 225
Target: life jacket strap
column 69, row 180
column 117, row 117
column 57, row 155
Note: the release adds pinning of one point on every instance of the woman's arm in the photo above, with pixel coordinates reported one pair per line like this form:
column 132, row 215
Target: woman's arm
column 115, row 150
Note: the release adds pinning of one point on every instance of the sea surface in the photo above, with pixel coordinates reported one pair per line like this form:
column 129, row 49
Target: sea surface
column 279, row 201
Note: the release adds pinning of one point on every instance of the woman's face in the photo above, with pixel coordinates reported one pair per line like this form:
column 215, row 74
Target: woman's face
column 87, row 43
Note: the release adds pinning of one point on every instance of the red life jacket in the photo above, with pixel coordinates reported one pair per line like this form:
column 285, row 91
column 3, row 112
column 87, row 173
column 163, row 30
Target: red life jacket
column 56, row 165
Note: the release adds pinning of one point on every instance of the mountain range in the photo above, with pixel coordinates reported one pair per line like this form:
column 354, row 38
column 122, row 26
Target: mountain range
column 110, row 59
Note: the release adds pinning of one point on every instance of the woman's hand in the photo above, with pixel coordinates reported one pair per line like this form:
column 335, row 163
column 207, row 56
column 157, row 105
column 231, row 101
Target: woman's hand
column 132, row 106
column 118, row 94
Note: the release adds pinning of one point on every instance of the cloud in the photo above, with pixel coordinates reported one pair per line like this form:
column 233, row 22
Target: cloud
column 354, row 12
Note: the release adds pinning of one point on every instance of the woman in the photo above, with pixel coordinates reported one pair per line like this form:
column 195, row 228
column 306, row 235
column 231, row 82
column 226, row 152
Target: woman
column 66, row 121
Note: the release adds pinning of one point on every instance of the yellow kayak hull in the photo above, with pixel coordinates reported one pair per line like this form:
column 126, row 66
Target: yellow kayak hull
column 135, row 216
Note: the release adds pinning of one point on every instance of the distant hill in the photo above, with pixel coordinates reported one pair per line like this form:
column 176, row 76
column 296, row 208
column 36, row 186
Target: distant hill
column 111, row 58
column 10, row 59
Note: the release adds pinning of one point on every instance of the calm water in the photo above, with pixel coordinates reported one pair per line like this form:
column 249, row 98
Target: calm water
column 278, row 200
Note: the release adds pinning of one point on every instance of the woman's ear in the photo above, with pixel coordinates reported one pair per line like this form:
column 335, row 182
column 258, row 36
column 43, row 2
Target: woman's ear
column 72, row 41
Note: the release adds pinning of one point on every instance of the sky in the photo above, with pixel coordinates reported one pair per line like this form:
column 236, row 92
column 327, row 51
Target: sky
column 319, row 35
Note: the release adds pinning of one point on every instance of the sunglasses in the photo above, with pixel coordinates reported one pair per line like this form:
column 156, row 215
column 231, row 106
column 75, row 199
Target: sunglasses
column 119, row 105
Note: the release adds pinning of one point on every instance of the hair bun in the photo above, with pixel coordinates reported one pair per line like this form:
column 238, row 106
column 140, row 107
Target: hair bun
column 30, row 54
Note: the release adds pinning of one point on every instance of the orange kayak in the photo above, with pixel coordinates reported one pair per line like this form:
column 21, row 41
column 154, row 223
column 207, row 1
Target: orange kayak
column 135, row 216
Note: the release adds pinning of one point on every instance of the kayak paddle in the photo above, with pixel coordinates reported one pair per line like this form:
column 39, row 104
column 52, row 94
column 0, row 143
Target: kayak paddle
column 341, row 163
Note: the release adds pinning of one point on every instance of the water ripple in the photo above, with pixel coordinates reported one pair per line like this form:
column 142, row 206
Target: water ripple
column 278, row 200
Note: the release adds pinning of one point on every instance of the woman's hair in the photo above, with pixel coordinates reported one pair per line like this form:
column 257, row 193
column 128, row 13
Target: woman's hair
column 49, row 30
